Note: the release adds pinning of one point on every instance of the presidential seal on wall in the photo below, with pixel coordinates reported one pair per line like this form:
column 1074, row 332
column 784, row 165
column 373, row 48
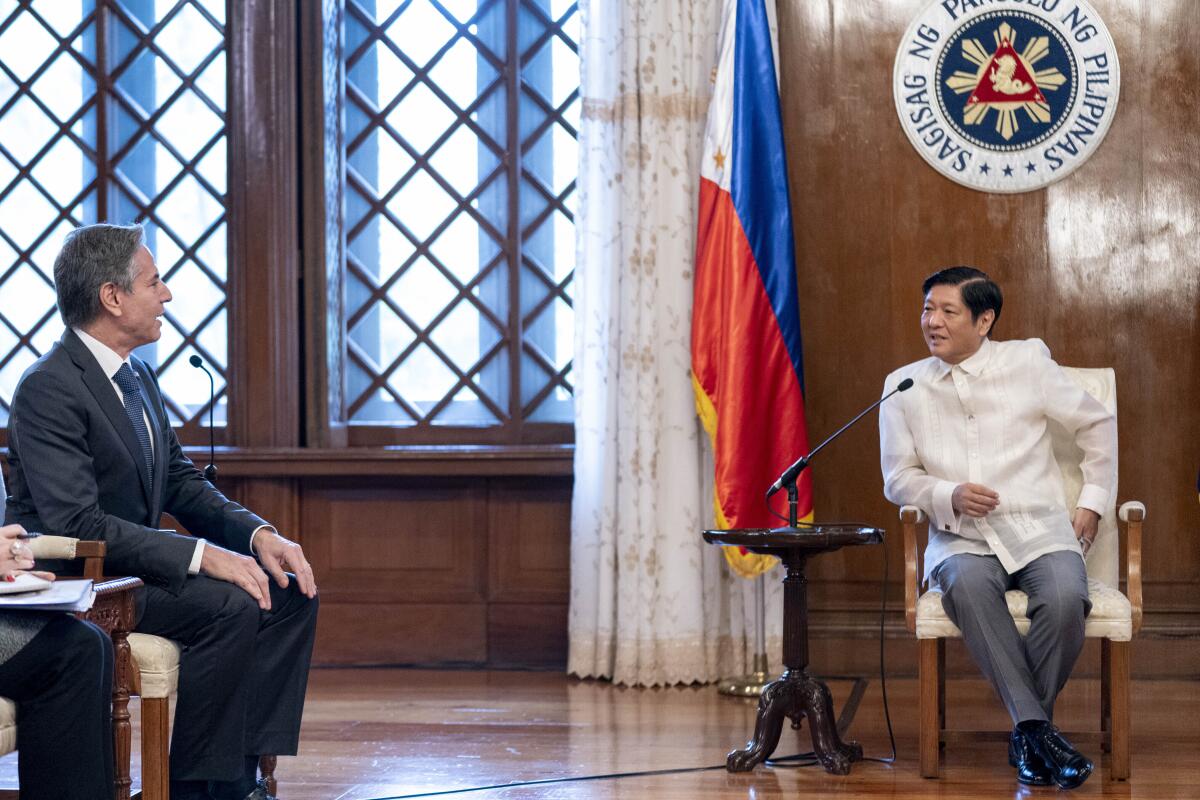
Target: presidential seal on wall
column 1006, row 95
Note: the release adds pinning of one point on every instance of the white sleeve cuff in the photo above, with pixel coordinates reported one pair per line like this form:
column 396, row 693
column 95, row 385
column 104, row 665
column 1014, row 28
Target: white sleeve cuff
column 270, row 528
column 1093, row 498
column 943, row 507
column 197, row 557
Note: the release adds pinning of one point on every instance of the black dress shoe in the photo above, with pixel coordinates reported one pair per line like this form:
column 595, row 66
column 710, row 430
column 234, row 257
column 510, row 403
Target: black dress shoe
column 1068, row 767
column 260, row 792
column 1031, row 770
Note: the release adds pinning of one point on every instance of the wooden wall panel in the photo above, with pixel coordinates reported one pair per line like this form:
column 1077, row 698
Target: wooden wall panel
column 373, row 542
column 1102, row 265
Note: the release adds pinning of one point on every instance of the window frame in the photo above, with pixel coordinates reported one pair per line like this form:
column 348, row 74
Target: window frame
column 323, row 203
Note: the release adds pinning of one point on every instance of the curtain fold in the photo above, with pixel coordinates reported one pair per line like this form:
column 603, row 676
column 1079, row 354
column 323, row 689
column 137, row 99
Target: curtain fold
column 651, row 603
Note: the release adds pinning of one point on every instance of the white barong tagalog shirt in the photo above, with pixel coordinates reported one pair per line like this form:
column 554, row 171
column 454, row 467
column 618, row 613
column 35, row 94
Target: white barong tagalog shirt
column 984, row 421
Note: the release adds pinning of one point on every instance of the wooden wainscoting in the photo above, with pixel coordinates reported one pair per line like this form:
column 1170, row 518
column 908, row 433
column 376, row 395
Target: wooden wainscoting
column 423, row 562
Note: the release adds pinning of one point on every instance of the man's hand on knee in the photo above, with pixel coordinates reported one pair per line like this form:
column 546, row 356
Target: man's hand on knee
column 974, row 499
column 279, row 555
column 1086, row 523
column 243, row 571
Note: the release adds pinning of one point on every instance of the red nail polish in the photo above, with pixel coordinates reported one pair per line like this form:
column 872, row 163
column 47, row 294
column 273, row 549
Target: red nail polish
column 10, row 578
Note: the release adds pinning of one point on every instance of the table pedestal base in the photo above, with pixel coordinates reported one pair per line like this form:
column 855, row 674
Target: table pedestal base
column 796, row 695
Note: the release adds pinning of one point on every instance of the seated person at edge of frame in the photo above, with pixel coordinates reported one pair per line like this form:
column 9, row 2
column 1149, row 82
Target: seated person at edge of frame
column 969, row 446
column 59, row 672
column 93, row 455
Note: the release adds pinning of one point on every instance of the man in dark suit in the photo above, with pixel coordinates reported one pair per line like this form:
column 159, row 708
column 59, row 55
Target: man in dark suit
column 92, row 454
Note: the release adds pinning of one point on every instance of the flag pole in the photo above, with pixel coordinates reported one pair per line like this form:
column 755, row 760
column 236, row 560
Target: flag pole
column 752, row 685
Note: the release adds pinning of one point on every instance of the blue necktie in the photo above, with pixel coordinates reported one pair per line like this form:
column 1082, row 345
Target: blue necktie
column 128, row 384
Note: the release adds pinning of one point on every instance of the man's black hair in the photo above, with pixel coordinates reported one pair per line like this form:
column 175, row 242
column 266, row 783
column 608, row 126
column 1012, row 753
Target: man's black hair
column 979, row 291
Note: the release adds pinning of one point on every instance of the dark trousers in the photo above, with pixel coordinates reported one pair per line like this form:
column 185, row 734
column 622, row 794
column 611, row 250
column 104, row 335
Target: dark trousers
column 242, row 675
column 1027, row 673
column 62, row 684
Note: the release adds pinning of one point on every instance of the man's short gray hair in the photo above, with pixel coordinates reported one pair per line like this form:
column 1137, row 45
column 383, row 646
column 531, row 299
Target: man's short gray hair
column 90, row 257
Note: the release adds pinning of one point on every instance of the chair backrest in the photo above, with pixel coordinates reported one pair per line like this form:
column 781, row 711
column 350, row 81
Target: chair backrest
column 1103, row 560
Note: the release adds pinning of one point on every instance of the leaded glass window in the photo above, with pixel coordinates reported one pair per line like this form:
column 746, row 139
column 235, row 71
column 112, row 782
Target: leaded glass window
column 461, row 161
column 114, row 110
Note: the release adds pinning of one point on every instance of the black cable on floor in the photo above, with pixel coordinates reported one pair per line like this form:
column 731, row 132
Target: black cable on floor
column 549, row 781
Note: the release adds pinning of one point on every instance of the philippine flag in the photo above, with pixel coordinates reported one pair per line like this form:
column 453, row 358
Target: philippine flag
column 747, row 369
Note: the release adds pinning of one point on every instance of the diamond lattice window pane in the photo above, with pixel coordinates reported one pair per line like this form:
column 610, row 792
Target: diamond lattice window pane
column 189, row 209
column 463, row 248
column 214, row 167
column 379, row 74
column 26, row 213
column 462, row 161
column 26, row 45
column 188, row 39
column 188, row 124
column 49, row 333
column 420, row 31
column 465, row 335
column 64, row 87
column 36, row 297
column 422, row 205
column 195, row 296
column 25, row 129
column 423, row 379
column 420, row 118
column 148, row 80
column 64, row 171
column 63, row 18
column 215, row 339
column 422, row 291
column 188, row 386
column 212, row 81
column 380, row 161
column 462, row 73
column 466, row 409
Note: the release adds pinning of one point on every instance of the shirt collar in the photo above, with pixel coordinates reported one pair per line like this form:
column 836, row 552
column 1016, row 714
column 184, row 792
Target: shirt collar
column 972, row 366
column 105, row 356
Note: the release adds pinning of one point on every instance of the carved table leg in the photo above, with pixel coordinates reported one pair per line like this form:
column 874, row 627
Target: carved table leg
column 835, row 755
column 777, row 701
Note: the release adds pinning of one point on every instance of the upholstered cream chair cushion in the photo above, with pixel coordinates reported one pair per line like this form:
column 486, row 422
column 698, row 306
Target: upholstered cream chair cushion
column 1111, row 616
column 8, row 725
column 157, row 661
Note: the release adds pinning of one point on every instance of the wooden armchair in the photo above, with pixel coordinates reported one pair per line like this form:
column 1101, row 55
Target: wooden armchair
column 113, row 612
column 1114, row 619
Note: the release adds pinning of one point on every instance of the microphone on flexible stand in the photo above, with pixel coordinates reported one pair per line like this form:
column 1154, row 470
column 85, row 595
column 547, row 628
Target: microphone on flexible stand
column 789, row 476
column 210, row 471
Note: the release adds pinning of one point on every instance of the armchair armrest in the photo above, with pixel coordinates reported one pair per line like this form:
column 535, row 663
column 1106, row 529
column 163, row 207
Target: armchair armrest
column 64, row 547
column 1132, row 513
column 910, row 517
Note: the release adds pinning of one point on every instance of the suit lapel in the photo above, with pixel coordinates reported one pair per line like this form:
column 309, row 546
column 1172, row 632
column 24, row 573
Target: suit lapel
column 102, row 390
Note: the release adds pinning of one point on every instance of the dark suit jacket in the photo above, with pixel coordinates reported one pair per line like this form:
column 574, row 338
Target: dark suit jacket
column 73, row 462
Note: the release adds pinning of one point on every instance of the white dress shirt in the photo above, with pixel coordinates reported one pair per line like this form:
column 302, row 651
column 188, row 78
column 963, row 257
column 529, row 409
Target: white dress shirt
column 984, row 421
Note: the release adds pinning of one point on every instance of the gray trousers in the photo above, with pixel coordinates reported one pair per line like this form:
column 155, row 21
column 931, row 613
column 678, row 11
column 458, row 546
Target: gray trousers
column 1027, row 673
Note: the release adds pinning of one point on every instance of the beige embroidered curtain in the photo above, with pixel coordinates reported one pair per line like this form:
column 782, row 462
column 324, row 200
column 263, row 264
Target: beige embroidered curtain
column 651, row 603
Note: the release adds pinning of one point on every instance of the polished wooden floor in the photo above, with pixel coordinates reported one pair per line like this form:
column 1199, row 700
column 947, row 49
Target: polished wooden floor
column 372, row 734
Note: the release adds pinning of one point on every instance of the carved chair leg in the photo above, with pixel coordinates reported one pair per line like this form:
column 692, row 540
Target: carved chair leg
column 941, row 666
column 929, row 678
column 156, row 722
column 1119, row 706
column 266, row 765
column 1105, row 689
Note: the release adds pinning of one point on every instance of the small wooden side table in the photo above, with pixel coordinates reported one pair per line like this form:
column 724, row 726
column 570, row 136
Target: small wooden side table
column 796, row 694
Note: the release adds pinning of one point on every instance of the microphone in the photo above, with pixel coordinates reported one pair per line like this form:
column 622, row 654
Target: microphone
column 791, row 473
column 210, row 471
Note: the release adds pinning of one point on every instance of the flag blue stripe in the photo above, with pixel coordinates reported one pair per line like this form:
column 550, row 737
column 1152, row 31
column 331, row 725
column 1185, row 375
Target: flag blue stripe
column 758, row 183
